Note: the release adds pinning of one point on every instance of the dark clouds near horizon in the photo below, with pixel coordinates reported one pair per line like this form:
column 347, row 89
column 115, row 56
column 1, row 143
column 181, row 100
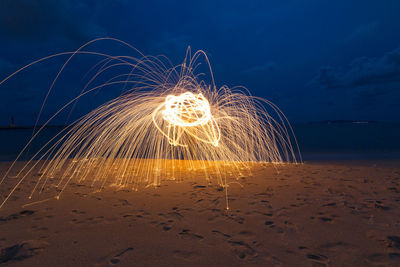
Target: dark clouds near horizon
column 317, row 60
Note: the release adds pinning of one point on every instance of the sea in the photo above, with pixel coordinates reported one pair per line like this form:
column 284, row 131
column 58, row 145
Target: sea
column 317, row 141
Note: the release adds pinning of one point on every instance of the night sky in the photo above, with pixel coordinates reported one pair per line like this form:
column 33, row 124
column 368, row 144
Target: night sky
column 317, row 60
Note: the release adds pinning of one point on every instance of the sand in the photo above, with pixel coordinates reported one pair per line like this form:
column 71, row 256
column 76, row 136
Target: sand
column 314, row 214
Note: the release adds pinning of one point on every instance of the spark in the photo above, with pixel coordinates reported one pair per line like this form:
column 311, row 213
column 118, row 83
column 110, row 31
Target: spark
column 169, row 122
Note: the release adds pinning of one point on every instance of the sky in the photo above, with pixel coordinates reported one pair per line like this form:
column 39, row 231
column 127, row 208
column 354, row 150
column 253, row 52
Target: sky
column 315, row 59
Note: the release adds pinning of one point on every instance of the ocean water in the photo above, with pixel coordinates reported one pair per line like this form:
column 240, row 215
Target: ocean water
column 356, row 141
column 335, row 141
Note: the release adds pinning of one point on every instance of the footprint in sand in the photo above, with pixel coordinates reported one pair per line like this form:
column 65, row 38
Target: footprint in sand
column 22, row 251
column 326, row 219
column 221, row 234
column 96, row 220
column 187, row 234
column 122, row 202
column 247, row 235
column 378, row 258
column 340, row 245
column 165, row 226
column 185, row 255
column 78, row 212
column 393, row 241
column 14, row 216
column 317, row 259
column 174, row 215
column 213, row 218
column 167, row 220
column 278, row 229
column 234, row 217
column 269, row 223
column 128, row 216
column 117, row 257
column 242, row 250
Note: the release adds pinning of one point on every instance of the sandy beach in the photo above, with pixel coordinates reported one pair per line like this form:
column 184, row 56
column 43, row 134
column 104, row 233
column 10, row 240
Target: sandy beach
column 313, row 214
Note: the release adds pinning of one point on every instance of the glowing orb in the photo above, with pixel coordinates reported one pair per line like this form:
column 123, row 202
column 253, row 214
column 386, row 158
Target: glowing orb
column 187, row 114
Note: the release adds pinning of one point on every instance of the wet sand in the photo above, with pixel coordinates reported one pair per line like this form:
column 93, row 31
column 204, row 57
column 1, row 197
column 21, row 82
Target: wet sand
column 314, row 214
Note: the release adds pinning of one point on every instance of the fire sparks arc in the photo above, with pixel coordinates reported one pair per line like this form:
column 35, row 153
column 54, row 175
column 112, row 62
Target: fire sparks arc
column 166, row 122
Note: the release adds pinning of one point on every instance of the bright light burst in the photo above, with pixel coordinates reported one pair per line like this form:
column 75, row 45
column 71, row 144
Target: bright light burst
column 169, row 123
column 187, row 114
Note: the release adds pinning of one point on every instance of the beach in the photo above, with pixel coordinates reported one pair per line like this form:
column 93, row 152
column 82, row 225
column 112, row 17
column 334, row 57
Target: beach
column 199, row 133
column 327, row 213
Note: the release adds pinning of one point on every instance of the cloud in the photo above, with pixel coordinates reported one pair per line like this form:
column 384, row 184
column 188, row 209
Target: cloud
column 379, row 72
column 361, row 31
column 40, row 20
column 265, row 67
column 370, row 86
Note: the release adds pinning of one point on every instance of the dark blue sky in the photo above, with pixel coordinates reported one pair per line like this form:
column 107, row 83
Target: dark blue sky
column 317, row 60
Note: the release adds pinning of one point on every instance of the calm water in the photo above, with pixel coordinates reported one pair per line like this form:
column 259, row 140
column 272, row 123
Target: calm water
column 349, row 141
column 316, row 141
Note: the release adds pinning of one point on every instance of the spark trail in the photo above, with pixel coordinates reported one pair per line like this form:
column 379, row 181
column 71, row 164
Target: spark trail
column 168, row 123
